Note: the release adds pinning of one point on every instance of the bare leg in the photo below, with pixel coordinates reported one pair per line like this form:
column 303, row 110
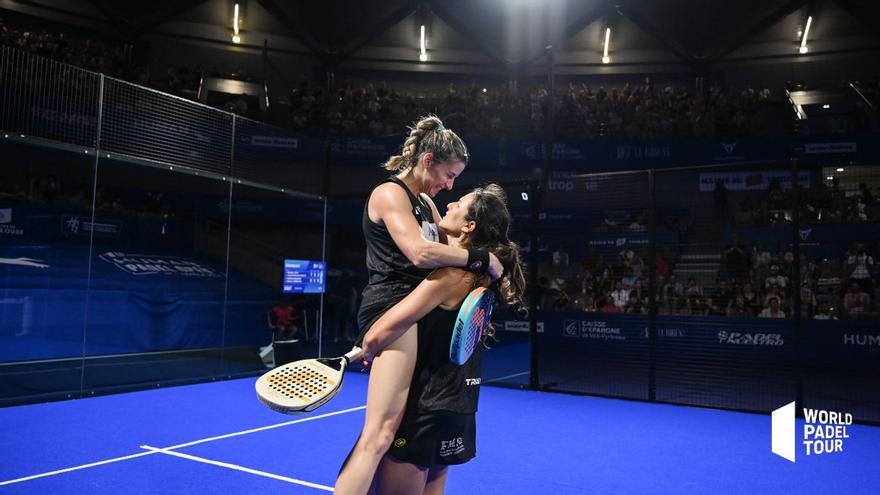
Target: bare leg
column 401, row 478
column 390, row 376
column 436, row 480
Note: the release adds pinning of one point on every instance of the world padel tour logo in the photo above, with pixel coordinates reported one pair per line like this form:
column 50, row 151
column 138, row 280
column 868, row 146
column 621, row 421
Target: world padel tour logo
column 824, row 432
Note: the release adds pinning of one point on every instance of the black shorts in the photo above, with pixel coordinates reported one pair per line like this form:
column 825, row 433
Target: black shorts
column 377, row 299
column 442, row 438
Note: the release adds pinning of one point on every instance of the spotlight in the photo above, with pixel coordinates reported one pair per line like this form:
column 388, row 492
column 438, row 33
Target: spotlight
column 605, row 58
column 803, row 48
column 236, row 39
column 829, row 178
column 826, row 106
column 840, row 169
column 423, row 57
column 423, row 54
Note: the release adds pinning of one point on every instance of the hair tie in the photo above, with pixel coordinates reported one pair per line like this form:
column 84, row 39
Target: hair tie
column 440, row 128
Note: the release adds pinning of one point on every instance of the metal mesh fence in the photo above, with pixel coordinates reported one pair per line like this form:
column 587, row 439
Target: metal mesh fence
column 144, row 123
column 47, row 99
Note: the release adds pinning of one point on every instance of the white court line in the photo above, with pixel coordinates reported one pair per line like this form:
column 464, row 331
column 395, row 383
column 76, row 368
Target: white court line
column 506, row 377
column 196, row 442
column 75, row 468
column 237, row 468
column 262, row 428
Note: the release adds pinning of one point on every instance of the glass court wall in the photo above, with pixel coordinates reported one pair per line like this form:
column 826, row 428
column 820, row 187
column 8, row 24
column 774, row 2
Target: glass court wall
column 143, row 236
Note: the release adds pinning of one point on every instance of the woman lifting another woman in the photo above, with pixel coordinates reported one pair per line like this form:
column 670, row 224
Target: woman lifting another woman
column 403, row 245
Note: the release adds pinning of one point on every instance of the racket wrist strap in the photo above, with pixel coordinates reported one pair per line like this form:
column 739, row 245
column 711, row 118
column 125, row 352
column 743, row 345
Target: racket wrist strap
column 478, row 261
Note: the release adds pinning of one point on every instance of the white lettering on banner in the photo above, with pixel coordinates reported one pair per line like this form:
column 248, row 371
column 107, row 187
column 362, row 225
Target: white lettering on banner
column 820, row 148
column 139, row 264
column 521, row 326
column 628, row 151
column 824, row 432
column 275, row 142
column 81, row 225
column 364, row 147
column 757, row 339
column 670, row 332
column 744, row 181
column 594, row 329
column 861, row 340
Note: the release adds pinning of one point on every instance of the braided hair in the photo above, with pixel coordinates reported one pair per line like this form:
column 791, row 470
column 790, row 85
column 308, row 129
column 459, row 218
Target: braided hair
column 428, row 136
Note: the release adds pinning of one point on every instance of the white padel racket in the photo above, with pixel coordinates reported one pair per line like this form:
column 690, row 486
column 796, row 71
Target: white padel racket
column 305, row 385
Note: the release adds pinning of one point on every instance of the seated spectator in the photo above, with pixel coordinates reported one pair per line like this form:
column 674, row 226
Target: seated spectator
column 693, row 289
column 589, row 305
column 859, row 267
column 592, row 260
column 808, row 300
column 560, row 258
column 639, row 305
column 772, row 310
column 776, row 278
column 620, row 295
column 738, row 308
column 608, row 306
column 713, row 309
column 825, row 312
column 855, row 302
column 281, row 320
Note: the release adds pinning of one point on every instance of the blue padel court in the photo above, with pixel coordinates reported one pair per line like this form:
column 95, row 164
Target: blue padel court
column 217, row 438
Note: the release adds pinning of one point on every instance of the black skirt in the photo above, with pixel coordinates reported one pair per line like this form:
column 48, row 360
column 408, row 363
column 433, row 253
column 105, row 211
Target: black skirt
column 438, row 438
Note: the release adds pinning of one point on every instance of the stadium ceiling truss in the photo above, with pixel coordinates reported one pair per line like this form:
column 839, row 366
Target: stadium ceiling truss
column 336, row 31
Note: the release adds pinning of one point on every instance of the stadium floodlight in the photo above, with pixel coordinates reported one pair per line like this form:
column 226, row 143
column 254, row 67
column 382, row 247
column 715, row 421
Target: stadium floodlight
column 423, row 55
column 236, row 38
column 803, row 48
column 826, row 106
column 840, row 169
column 605, row 58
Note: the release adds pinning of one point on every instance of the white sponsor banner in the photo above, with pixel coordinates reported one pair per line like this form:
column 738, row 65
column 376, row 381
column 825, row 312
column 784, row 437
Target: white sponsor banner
column 145, row 264
column 748, row 181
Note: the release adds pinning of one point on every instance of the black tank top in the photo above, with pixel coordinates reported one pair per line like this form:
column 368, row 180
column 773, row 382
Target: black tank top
column 437, row 383
column 391, row 274
column 385, row 261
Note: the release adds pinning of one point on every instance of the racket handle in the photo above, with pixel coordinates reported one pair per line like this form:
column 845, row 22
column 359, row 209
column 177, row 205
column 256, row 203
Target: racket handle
column 353, row 354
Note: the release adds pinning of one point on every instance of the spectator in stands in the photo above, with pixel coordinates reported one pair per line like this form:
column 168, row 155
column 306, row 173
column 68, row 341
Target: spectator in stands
column 824, row 313
column 859, row 267
column 735, row 259
column 737, row 307
column 722, row 293
column 751, row 299
column 281, row 321
column 560, row 258
column 671, row 294
column 855, row 302
column 593, row 260
column 662, row 267
column 620, row 295
column 776, row 278
column 590, row 305
column 808, row 300
column 772, row 309
column 608, row 305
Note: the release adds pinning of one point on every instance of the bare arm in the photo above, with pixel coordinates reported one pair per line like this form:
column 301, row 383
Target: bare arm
column 440, row 286
column 390, row 204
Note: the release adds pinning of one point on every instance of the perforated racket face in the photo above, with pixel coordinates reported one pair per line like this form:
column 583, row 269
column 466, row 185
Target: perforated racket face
column 301, row 386
column 472, row 320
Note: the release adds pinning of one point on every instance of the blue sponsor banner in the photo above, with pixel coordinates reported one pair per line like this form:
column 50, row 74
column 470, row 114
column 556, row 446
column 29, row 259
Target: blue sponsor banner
column 818, row 240
column 608, row 245
column 842, row 344
column 271, row 144
column 580, row 331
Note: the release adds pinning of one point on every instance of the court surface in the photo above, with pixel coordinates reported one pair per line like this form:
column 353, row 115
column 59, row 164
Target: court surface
column 217, row 438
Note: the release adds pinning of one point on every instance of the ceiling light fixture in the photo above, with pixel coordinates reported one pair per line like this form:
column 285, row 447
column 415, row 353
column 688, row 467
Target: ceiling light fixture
column 236, row 38
column 605, row 58
column 803, row 48
column 423, row 55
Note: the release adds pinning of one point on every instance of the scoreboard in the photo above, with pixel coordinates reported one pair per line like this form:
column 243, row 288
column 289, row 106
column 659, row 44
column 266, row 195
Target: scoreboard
column 304, row 277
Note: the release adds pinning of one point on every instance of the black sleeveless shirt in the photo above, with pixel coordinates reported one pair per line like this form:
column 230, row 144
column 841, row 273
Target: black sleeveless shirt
column 438, row 384
column 391, row 274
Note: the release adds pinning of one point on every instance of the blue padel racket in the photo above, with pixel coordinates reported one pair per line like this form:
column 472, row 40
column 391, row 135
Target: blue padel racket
column 471, row 322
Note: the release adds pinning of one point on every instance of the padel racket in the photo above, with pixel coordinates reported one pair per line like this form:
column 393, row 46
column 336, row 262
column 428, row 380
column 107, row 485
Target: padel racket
column 471, row 322
column 304, row 385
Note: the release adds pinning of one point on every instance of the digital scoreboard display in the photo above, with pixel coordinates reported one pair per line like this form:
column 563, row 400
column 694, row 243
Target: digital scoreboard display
column 304, row 277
